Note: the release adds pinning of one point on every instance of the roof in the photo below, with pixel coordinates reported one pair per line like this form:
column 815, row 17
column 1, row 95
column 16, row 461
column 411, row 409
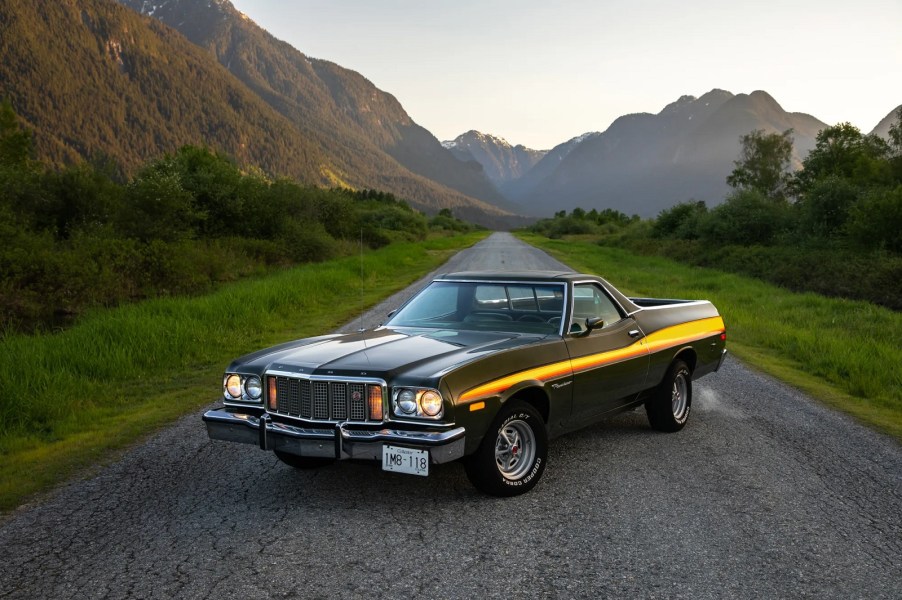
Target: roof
column 513, row 275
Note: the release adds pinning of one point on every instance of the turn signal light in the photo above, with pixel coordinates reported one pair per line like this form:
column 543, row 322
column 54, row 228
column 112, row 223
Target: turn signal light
column 272, row 393
column 374, row 399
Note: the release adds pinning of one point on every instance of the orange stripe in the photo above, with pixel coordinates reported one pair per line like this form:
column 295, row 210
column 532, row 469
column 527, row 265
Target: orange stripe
column 659, row 340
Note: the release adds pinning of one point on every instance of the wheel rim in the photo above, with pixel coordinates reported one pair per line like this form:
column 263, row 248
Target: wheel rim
column 679, row 399
column 515, row 449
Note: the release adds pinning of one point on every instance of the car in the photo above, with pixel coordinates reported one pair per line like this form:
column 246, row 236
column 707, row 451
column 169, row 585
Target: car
column 481, row 367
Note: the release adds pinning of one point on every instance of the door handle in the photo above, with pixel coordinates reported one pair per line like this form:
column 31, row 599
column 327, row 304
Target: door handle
column 634, row 333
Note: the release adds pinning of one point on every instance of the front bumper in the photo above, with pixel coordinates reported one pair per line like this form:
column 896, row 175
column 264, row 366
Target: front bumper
column 340, row 441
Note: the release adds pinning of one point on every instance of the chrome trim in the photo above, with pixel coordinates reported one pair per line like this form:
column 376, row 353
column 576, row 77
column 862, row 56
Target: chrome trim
column 676, row 303
column 342, row 442
column 339, row 378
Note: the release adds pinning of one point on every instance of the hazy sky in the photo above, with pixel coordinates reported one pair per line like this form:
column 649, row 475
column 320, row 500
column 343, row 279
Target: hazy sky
column 538, row 72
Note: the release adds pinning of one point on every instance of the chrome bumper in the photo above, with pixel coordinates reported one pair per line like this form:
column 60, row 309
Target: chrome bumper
column 340, row 441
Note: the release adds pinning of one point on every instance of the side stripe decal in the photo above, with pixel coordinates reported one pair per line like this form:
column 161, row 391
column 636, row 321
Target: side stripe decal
column 654, row 342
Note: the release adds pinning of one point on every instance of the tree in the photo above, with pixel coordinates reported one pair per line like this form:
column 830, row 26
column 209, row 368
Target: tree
column 15, row 142
column 763, row 164
column 843, row 151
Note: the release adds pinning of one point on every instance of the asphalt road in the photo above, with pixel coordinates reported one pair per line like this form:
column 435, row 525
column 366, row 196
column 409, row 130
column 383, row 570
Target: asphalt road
column 764, row 494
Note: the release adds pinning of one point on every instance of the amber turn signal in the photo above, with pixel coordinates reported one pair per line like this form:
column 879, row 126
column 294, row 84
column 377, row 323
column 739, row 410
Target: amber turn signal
column 272, row 393
column 374, row 397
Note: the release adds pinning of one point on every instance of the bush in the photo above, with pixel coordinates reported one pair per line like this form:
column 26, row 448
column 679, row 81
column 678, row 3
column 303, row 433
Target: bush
column 876, row 221
column 746, row 218
column 681, row 221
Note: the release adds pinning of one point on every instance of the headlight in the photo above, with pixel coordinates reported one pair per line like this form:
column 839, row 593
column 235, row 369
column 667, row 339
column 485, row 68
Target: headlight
column 254, row 387
column 412, row 402
column 244, row 388
column 431, row 403
column 407, row 402
column 233, row 386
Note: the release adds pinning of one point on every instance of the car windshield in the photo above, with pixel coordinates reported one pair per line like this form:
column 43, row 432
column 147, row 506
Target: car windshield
column 485, row 306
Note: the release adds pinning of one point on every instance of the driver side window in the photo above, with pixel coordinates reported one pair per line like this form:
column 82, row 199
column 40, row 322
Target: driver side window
column 589, row 301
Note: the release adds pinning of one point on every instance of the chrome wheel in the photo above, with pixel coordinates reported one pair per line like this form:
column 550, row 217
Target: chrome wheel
column 515, row 449
column 679, row 397
column 511, row 457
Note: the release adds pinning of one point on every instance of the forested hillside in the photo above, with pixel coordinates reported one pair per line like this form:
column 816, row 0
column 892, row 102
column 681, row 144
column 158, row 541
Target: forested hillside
column 339, row 108
column 97, row 81
column 81, row 236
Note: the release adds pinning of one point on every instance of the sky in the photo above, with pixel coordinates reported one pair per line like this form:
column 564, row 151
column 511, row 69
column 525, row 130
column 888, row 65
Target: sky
column 538, row 73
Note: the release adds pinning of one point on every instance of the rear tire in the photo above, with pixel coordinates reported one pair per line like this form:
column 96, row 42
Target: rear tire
column 303, row 462
column 669, row 406
column 512, row 456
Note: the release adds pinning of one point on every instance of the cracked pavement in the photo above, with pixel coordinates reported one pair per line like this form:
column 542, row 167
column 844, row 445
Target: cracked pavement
column 764, row 494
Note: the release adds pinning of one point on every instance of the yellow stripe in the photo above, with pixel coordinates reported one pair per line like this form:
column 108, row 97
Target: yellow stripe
column 659, row 340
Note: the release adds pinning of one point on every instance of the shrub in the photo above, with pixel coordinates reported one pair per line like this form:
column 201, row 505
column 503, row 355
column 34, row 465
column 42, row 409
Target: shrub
column 876, row 221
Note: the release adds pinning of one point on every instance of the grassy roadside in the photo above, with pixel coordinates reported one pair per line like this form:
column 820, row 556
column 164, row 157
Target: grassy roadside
column 68, row 399
column 846, row 353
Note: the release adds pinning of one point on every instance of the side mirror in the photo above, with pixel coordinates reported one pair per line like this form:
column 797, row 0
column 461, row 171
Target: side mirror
column 594, row 323
column 392, row 313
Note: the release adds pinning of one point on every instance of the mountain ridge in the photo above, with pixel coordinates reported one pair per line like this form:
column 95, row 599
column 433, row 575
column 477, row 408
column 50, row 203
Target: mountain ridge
column 95, row 80
column 646, row 162
column 333, row 105
column 500, row 160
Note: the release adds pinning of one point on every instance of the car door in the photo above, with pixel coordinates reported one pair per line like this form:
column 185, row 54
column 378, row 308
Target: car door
column 610, row 361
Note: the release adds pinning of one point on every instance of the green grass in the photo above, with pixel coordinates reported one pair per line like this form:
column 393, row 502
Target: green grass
column 846, row 353
column 69, row 399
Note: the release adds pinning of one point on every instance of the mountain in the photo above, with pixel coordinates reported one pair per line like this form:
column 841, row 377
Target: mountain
column 91, row 78
column 94, row 79
column 882, row 128
column 337, row 108
column 518, row 188
column 644, row 163
column 500, row 161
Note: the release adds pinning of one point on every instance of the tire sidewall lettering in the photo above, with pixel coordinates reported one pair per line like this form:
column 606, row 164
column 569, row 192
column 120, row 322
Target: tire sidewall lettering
column 526, row 418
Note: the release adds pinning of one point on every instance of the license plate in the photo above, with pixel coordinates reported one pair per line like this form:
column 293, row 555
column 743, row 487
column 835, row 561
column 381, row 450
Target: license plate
column 405, row 460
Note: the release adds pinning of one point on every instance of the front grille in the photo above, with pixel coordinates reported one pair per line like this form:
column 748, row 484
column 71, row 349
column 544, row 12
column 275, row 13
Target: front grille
column 322, row 400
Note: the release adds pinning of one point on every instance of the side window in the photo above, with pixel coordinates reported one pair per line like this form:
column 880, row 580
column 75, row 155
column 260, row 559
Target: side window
column 590, row 301
column 490, row 296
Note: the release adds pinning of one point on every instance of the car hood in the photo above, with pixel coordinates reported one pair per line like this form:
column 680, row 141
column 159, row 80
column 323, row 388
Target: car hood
column 383, row 352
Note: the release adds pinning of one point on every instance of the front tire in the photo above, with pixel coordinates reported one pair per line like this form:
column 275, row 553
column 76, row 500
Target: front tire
column 512, row 456
column 668, row 408
column 303, row 462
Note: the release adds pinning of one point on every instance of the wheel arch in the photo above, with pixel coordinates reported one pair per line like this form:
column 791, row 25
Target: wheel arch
column 689, row 356
column 536, row 397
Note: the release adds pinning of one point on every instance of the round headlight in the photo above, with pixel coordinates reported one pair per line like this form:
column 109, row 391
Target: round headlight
column 233, row 386
column 254, row 387
column 407, row 402
column 431, row 403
